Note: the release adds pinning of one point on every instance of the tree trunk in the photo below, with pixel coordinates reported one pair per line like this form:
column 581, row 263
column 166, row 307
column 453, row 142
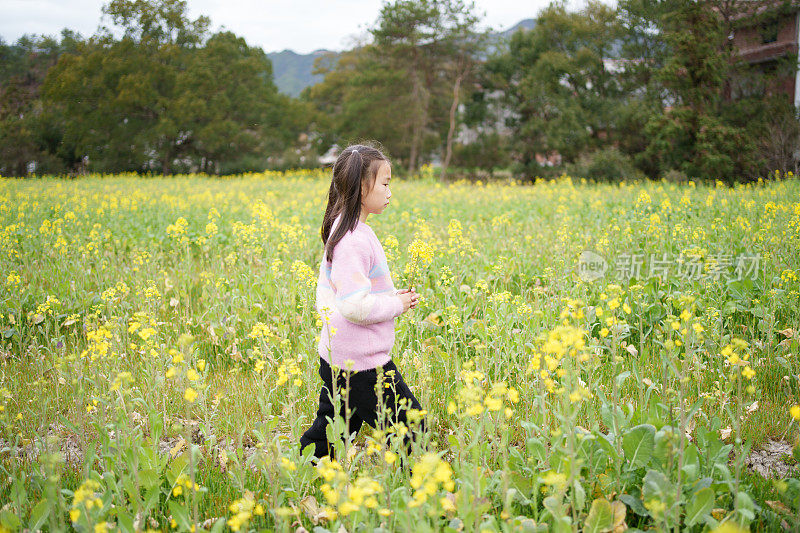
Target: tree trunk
column 416, row 127
column 420, row 97
column 412, row 158
column 165, row 165
column 449, row 146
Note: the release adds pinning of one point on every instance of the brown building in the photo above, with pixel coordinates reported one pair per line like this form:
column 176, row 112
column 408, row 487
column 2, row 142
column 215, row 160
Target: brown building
column 767, row 44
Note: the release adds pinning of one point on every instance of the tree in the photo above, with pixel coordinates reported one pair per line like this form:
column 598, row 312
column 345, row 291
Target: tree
column 29, row 132
column 406, row 39
column 691, row 135
column 167, row 96
column 405, row 86
column 701, row 106
column 120, row 95
column 361, row 96
column 227, row 103
column 463, row 46
column 159, row 22
column 643, row 52
column 555, row 81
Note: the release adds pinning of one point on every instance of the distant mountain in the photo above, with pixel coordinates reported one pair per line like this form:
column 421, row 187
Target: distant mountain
column 292, row 71
column 495, row 38
column 527, row 24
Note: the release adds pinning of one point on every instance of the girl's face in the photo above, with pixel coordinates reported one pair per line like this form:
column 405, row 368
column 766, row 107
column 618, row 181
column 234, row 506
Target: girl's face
column 376, row 200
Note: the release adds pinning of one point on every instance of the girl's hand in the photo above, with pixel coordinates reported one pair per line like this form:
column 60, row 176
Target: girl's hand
column 409, row 298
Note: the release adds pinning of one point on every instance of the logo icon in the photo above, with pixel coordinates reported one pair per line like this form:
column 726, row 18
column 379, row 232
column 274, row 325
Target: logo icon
column 591, row 266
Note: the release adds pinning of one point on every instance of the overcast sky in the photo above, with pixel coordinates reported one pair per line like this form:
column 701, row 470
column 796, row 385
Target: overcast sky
column 274, row 25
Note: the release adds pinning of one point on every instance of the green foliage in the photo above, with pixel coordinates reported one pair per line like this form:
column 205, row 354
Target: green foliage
column 226, row 102
column 554, row 78
column 606, row 164
column 401, row 87
column 657, row 80
column 30, row 131
column 408, row 41
column 716, row 149
column 488, row 152
column 680, row 102
column 362, row 96
column 705, row 133
column 165, row 96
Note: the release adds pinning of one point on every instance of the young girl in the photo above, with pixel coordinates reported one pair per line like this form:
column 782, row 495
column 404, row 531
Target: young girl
column 358, row 303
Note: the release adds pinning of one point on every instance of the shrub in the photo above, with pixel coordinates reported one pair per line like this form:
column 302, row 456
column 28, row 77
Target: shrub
column 606, row 164
column 675, row 176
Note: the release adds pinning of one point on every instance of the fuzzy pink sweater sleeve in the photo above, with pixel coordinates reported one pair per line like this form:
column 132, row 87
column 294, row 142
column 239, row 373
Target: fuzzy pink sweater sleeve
column 350, row 279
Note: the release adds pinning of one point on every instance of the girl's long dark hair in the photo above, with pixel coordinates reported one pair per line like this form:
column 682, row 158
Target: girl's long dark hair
column 357, row 165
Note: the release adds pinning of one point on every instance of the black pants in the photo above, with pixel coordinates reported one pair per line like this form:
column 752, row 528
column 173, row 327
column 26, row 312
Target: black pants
column 363, row 403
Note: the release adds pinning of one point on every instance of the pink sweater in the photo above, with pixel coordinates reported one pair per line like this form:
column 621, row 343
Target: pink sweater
column 356, row 292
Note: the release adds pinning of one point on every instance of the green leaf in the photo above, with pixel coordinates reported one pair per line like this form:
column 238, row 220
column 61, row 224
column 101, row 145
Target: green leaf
column 580, row 495
column 701, row 504
column 176, row 468
column 655, row 486
column 149, row 478
column 620, row 379
column 125, row 521
column 39, row 514
column 553, row 504
column 453, row 441
column 151, row 498
column 691, row 463
column 600, row 517
column 180, row 514
column 638, row 444
column 666, row 444
column 562, row 525
column 535, row 449
column 456, row 524
column 634, row 503
column 603, row 443
column 745, row 506
column 611, row 415
column 219, row 525
column 9, row 520
column 130, row 488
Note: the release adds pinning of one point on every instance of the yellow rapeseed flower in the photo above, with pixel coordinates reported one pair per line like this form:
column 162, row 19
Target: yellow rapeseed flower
column 190, row 395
